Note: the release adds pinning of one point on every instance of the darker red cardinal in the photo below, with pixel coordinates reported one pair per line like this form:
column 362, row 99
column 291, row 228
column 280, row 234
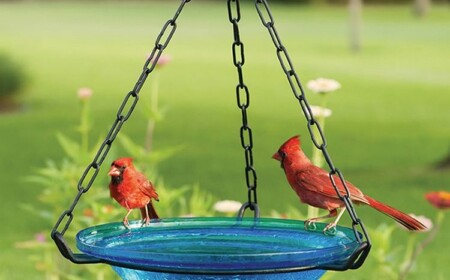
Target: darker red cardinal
column 313, row 186
column 132, row 190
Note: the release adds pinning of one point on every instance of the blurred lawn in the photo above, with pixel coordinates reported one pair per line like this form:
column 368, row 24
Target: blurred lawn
column 389, row 125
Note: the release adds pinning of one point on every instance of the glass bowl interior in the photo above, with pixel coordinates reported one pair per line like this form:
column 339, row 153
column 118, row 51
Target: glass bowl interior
column 217, row 245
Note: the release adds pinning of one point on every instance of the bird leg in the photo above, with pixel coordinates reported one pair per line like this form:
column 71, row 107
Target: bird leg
column 310, row 224
column 148, row 213
column 146, row 219
column 331, row 227
column 125, row 219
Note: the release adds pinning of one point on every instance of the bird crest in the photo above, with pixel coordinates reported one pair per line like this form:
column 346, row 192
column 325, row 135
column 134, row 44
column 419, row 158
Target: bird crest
column 126, row 161
column 292, row 144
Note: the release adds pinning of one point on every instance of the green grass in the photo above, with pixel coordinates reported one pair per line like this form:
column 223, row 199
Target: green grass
column 389, row 125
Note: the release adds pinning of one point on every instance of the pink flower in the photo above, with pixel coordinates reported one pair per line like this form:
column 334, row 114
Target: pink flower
column 40, row 237
column 84, row 93
column 163, row 60
column 440, row 199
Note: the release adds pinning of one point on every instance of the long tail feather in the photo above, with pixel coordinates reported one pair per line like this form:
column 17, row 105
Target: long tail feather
column 402, row 218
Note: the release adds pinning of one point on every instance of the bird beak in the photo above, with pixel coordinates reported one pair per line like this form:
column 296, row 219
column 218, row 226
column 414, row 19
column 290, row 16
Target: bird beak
column 114, row 171
column 277, row 156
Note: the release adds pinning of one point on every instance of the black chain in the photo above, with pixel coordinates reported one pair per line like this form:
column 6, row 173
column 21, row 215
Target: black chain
column 243, row 102
column 123, row 114
column 267, row 20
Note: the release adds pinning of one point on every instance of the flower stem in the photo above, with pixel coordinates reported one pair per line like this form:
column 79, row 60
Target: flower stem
column 317, row 156
column 421, row 246
column 149, row 138
column 148, row 145
column 84, row 126
column 409, row 250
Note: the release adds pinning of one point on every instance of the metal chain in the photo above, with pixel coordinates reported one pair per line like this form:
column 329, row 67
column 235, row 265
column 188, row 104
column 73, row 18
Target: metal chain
column 267, row 20
column 124, row 112
column 243, row 102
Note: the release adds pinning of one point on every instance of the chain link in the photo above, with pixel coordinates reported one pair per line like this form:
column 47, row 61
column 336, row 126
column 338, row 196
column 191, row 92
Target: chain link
column 267, row 20
column 243, row 102
column 124, row 112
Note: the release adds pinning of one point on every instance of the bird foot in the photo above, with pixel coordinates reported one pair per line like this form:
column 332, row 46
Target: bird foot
column 310, row 224
column 330, row 229
column 126, row 223
column 145, row 221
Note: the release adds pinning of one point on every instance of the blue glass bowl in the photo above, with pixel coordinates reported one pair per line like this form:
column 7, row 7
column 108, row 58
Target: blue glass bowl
column 217, row 248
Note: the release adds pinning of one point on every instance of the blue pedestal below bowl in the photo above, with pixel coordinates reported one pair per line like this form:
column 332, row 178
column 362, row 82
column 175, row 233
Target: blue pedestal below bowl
column 217, row 248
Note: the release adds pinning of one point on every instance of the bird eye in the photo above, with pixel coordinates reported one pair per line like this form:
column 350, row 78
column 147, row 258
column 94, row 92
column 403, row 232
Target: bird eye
column 118, row 166
column 282, row 154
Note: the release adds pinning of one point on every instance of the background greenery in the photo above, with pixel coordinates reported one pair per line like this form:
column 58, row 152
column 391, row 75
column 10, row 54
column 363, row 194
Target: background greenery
column 389, row 125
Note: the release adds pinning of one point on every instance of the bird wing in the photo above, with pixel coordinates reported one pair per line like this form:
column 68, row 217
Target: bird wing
column 317, row 180
column 146, row 186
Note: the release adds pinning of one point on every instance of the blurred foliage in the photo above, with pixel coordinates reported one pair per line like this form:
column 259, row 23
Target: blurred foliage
column 12, row 76
column 58, row 178
column 272, row 1
column 405, row 122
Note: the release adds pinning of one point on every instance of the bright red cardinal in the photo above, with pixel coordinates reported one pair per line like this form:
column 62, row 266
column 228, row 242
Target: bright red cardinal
column 132, row 190
column 313, row 186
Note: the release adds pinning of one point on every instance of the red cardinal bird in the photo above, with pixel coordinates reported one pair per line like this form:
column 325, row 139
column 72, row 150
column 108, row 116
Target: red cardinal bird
column 132, row 190
column 313, row 186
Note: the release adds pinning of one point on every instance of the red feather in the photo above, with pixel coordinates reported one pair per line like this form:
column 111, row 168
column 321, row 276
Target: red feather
column 131, row 189
column 313, row 186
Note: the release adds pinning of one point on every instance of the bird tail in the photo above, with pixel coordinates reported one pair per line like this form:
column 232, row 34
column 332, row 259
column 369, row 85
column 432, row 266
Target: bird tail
column 151, row 211
column 402, row 218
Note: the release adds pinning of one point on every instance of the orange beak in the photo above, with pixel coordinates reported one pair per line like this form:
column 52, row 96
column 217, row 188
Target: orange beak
column 277, row 156
column 114, row 171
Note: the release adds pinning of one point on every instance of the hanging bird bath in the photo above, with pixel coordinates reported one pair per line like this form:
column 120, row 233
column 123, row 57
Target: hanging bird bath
column 217, row 248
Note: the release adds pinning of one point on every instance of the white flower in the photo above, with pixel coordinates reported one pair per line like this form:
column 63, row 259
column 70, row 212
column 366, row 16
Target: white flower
column 227, row 206
column 322, row 85
column 424, row 220
column 318, row 111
